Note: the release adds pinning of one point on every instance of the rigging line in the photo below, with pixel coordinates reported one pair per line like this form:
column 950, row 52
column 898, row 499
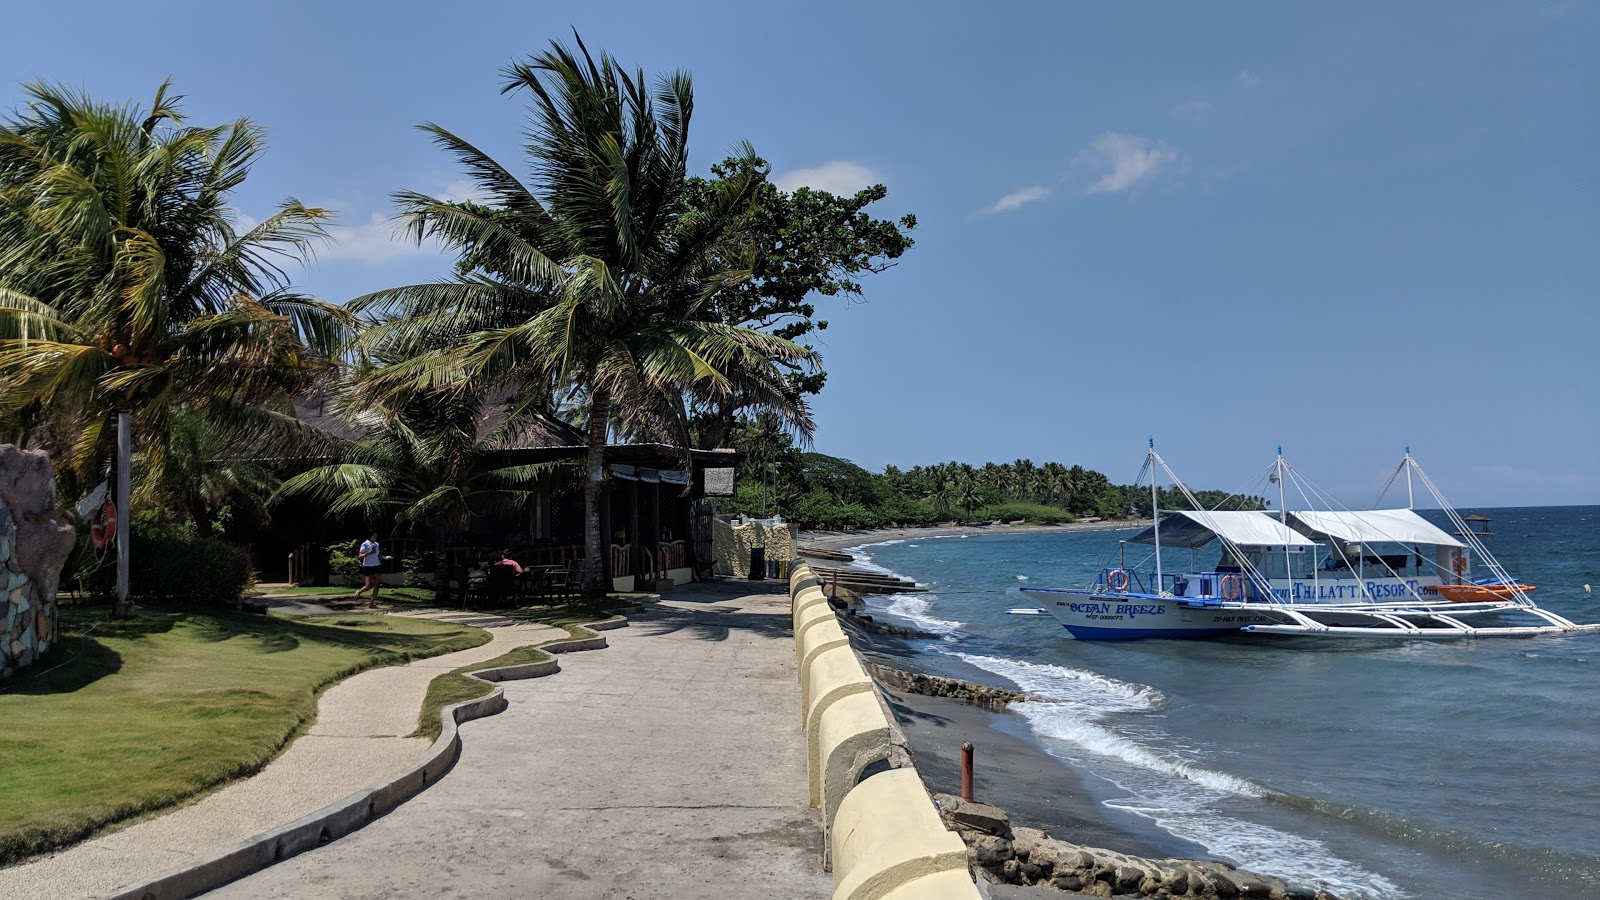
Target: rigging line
column 1473, row 541
column 1245, row 566
column 1353, row 567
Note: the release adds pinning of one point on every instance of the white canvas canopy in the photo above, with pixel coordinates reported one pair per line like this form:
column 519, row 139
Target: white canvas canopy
column 1372, row 526
column 1191, row 529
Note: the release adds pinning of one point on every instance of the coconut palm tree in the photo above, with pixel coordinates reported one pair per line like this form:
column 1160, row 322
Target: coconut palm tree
column 598, row 276
column 127, row 283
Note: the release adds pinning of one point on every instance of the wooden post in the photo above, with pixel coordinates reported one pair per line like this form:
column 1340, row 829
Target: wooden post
column 966, row 772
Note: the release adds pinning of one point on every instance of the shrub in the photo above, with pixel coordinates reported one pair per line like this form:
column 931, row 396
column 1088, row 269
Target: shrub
column 344, row 566
column 170, row 563
column 1033, row 513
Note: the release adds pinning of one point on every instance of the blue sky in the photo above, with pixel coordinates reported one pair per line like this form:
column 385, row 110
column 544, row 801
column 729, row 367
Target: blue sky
column 1339, row 227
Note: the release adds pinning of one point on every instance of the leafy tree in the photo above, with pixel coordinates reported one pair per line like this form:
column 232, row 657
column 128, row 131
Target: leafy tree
column 797, row 246
column 600, row 277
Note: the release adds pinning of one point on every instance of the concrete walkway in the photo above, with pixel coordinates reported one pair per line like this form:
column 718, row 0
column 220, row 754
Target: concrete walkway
column 670, row 765
column 359, row 737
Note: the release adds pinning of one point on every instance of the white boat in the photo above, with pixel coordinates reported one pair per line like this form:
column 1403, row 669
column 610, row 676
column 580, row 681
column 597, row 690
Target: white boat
column 1333, row 573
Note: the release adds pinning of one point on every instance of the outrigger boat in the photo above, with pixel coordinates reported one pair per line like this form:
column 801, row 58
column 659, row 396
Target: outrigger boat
column 1332, row 573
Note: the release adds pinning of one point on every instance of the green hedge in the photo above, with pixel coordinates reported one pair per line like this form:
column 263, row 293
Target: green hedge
column 1033, row 513
column 169, row 564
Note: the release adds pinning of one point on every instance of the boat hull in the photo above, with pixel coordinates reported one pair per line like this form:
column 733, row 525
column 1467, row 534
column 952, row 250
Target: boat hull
column 1126, row 617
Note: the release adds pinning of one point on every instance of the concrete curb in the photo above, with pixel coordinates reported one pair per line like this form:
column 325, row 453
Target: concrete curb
column 353, row 812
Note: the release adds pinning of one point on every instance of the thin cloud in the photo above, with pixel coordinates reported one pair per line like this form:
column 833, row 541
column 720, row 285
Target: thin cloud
column 375, row 241
column 1126, row 160
column 1194, row 109
column 463, row 191
column 1248, row 81
column 1017, row 199
column 837, row 177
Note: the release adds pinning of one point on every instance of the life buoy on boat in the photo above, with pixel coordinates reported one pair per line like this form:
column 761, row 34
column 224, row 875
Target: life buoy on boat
column 1117, row 580
column 1230, row 587
column 103, row 527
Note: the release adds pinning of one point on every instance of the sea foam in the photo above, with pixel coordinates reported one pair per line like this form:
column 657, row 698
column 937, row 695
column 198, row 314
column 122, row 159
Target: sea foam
column 1180, row 796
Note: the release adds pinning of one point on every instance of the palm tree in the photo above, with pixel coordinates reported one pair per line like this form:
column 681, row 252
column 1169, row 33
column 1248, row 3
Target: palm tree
column 599, row 277
column 970, row 494
column 125, row 284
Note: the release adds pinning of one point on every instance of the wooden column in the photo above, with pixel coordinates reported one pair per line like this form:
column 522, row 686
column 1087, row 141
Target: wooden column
column 653, row 541
column 605, row 531
column 634, row 548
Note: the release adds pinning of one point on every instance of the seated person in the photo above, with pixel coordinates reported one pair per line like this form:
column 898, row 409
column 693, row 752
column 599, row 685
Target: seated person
column 506, row 560
column 478, row 575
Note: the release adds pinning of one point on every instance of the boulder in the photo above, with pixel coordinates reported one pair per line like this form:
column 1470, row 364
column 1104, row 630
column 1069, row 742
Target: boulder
column 992, row 852
column 1025, row 839
column 36, row 537
column 983, row 817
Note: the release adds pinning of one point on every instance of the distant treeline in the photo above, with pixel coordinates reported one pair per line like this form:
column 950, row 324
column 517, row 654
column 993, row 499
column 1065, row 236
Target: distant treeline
column 820, row 491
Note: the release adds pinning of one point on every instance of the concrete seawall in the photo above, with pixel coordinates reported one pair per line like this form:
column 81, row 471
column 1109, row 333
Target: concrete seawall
column 882, row 834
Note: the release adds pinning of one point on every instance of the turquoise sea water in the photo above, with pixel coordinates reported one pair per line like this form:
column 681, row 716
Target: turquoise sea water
column 1380, row 768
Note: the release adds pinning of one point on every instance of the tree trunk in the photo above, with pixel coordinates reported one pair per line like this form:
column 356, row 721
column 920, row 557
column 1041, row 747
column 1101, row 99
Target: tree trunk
column 594, row 543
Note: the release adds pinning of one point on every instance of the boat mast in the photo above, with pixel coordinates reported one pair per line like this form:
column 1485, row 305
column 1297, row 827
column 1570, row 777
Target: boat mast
column 1411, row 502
column 1283, row 519
column 1155, row 510
column 1283, row 511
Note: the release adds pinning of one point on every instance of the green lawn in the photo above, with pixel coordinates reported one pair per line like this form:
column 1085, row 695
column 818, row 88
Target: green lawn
column 388, row 596
column 168, row 705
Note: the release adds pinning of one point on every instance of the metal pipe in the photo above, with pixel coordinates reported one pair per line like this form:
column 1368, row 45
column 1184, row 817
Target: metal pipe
column 966, row 772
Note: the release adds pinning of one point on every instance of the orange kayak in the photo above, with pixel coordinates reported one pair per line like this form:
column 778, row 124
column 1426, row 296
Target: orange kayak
column 1476, row 593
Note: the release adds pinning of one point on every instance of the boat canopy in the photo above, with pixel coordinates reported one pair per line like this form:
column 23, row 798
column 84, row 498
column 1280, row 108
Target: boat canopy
column 1192, row 529
column 1372, row 526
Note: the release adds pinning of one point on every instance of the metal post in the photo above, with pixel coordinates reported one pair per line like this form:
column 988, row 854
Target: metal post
column 124, row 513
column 966, row 772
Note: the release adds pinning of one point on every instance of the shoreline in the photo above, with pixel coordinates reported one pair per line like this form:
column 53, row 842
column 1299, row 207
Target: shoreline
column 1013, row 769
column 838, row 540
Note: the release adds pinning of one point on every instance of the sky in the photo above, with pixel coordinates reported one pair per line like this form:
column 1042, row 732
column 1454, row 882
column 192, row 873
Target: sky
column 1342, row 228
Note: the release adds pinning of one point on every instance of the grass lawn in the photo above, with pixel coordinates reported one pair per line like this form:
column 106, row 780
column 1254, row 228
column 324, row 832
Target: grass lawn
column 168, row 705
column 388, row 596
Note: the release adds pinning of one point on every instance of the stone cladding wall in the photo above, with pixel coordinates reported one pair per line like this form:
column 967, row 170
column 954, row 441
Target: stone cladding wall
column 35, row 540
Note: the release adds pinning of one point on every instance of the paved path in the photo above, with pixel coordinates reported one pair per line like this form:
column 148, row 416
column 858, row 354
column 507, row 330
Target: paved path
column 360, row 737
column 670, row 765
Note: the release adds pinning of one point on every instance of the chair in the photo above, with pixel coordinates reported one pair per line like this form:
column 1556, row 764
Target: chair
column 473, row 588
column 501, row 584
column 567, row 584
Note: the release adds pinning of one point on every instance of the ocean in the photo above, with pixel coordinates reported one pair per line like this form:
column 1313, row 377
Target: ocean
column 1378, row 768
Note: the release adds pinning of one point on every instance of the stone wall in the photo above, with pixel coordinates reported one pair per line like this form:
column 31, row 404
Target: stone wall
column 35, row 540
column 936, row 686
column 731, row 544
column 1002, row 854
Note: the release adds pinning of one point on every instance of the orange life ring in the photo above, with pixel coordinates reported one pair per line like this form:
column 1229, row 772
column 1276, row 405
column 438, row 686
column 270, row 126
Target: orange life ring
column 1117, row 580
column 103, row 527
column 1230, row 587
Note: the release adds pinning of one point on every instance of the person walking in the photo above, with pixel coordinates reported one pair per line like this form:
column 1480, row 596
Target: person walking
column 371, row 569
